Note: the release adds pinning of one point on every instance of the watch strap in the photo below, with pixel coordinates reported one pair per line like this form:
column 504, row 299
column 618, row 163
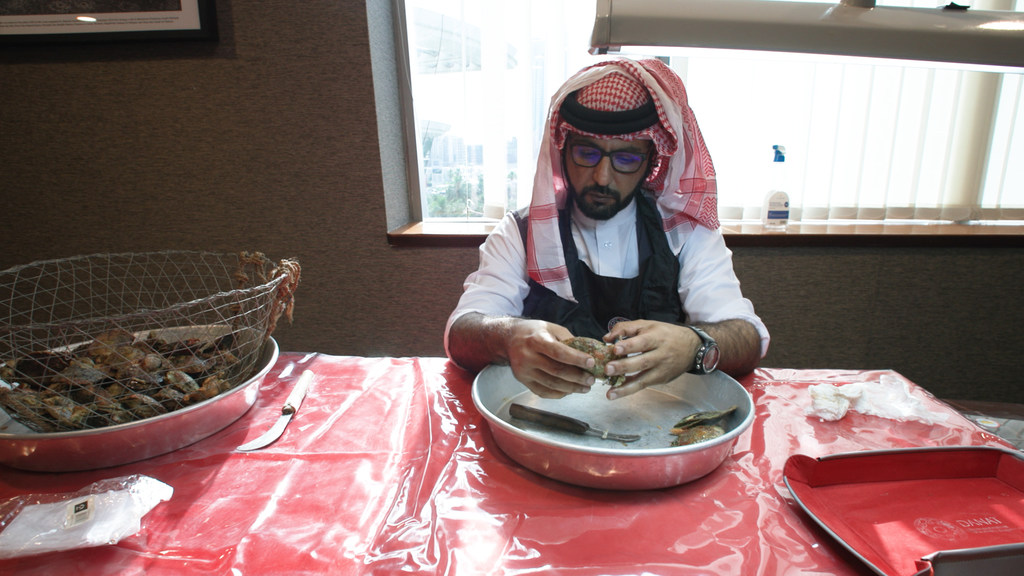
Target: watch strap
column 707, row 342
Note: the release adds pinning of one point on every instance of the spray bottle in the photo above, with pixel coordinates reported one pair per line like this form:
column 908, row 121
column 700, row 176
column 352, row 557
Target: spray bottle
column 775, row 214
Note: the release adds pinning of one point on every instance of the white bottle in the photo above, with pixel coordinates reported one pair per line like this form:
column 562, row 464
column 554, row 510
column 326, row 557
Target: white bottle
column 775, row 213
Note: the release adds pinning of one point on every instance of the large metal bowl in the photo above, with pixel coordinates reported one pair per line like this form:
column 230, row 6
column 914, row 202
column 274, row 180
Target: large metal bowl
column 133, row 441
column 596, row 462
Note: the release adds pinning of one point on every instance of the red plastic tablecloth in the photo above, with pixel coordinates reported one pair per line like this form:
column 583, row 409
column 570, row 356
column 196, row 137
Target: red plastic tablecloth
column 388, row 468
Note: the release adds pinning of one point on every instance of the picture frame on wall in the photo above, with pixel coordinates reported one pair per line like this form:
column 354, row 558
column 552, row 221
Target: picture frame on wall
column 55, row 21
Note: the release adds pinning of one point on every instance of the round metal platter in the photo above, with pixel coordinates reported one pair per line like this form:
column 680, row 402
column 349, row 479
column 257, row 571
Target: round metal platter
column 25, row 449
column 592, row 461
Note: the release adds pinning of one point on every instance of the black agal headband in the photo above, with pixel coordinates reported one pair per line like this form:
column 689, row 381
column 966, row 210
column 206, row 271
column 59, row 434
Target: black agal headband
column 607, row 123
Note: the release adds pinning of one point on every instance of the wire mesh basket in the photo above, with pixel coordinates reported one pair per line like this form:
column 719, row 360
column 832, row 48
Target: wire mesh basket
column 104, row 339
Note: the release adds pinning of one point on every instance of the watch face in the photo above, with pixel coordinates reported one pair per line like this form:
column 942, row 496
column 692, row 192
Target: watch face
column 711, row 357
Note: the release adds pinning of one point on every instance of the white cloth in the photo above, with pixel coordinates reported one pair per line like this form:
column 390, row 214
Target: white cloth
column 708, row 288
column 890, row 398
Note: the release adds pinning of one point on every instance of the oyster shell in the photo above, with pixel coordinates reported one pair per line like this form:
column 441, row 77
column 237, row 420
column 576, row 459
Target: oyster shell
column 695, row 434
column 602, row 353
column 701, row 426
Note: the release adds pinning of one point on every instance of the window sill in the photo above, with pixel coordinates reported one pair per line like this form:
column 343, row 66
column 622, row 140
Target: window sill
column 739, row 233
column 441, row 234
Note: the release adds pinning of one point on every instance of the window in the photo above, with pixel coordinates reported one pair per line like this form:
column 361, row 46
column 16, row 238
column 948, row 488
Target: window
column 868, row 140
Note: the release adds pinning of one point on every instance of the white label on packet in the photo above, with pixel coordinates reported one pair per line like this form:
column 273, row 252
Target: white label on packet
column 79, row 512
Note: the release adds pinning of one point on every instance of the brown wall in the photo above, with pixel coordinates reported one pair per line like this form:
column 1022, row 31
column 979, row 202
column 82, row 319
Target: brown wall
column 268, row 140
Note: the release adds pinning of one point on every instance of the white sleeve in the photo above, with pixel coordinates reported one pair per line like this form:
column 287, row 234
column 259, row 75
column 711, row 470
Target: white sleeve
column 708, row 286
column 500, row 284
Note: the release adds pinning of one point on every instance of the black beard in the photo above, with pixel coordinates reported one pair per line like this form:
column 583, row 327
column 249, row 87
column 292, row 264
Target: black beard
column 603, row 211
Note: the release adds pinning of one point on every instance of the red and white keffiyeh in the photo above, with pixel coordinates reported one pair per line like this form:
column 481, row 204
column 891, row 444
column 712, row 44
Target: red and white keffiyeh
column 682, row 179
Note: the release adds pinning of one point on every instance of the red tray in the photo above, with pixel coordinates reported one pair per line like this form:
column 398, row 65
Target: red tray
column 928, row 511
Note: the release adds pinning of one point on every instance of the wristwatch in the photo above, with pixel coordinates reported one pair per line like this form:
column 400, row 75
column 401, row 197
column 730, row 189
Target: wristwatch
column 708, row 354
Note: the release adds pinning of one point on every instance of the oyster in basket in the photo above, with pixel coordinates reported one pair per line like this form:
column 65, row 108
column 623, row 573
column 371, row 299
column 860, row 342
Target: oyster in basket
column 117, row 377
column 603, row 353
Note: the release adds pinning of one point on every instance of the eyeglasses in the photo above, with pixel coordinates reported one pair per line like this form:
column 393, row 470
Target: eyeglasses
column 623, row 162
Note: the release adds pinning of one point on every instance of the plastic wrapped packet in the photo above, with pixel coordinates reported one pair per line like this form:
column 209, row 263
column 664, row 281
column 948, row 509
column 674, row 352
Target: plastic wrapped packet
column 102, row 513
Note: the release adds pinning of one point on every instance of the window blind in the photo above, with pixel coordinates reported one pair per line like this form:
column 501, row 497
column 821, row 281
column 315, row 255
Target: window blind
column 865, row 139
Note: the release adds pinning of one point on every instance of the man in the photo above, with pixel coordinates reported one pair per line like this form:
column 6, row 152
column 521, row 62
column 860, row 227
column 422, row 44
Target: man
column 620, row 243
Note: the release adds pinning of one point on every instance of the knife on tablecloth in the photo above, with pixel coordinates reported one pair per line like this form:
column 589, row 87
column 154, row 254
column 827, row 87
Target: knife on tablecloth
column 291, row 405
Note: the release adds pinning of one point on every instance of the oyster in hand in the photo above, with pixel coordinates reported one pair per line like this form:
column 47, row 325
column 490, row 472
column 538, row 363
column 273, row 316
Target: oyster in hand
column 603, row 353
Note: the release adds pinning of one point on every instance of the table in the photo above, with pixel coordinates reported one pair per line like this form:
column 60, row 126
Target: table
column 388, row 467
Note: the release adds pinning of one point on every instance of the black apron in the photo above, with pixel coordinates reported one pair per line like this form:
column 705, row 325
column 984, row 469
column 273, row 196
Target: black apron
column 652, row 295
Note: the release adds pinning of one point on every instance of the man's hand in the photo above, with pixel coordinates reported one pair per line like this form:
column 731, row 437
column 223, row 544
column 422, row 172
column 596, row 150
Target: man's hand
column 532, row 348
column 660, row 352
column 546, row 366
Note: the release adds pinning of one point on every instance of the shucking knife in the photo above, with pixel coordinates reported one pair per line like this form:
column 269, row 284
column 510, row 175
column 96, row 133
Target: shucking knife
column 567, row 423
column 291, row 405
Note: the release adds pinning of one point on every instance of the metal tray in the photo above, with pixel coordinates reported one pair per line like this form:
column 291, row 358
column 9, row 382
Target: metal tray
column 950, row 510
column 651, row 462
column 115, row 445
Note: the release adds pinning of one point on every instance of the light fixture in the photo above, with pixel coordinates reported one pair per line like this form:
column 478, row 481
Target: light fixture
column 850, row 28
